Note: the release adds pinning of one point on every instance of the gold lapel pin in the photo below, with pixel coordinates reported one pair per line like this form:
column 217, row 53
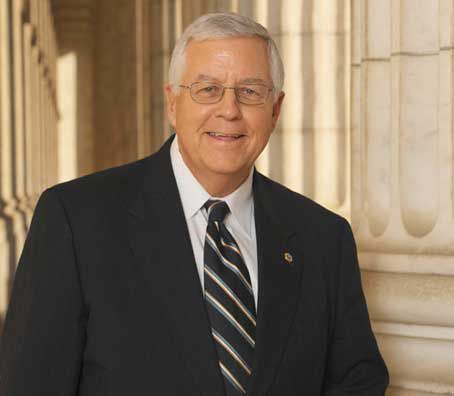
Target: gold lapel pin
column 288, row 257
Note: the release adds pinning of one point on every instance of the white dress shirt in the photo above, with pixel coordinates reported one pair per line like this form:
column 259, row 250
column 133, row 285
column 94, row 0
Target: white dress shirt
column 240, row 221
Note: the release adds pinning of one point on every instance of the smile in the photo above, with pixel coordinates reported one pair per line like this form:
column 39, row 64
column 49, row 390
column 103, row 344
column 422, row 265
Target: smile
column 225, row 136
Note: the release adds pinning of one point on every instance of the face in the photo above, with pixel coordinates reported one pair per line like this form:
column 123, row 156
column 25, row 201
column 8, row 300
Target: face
column 223, row 140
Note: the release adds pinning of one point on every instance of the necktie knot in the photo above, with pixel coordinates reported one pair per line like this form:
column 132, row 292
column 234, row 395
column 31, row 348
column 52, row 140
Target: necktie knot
column 217, row 210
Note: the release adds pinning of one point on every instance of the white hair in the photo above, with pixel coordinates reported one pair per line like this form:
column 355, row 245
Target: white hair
column 224, row 25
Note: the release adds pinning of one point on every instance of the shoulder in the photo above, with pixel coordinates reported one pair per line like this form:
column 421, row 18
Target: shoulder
column 296, row 210
column 105, row 183
column 103, row 192
column 119, row 183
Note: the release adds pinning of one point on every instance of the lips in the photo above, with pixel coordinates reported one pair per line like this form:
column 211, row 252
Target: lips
column 225, row 136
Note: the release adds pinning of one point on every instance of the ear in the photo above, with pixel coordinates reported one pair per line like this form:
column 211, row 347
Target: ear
column 171, row 105
column 277, row 108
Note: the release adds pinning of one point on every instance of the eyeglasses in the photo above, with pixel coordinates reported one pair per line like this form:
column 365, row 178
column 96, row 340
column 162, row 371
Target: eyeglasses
column 211, row 92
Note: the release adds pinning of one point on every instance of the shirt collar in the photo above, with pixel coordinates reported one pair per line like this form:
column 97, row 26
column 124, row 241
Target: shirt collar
column 193, row 196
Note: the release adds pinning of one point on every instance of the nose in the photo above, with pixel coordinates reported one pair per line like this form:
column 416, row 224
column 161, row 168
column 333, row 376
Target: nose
column 229, row 106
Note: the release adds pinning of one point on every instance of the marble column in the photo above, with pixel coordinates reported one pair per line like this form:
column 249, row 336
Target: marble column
column 115, row 84
column 75, row 27
column 402, row 184
column 165, row 25
column 7, row 256
column 28, row 114
column 143, row 70
column 128, row 85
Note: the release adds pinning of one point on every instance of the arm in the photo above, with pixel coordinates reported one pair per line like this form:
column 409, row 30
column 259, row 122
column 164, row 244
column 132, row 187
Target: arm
column 44, row 334
column 355, row 366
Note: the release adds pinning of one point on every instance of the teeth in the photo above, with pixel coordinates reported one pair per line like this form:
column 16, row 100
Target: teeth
column 224, row 135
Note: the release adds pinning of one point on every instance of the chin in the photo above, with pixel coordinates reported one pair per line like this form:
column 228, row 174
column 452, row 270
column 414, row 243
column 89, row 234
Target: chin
column 228, row 170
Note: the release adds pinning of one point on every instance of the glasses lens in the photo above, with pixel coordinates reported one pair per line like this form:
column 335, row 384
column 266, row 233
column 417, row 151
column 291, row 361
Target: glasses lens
column 210, row 92
column 206, row 92
column 252, row 93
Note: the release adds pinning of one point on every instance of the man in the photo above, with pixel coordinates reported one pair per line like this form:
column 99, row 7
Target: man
column 188, row 272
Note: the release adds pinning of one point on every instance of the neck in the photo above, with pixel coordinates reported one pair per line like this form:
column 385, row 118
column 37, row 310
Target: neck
column 220, row 186
column 217, row 184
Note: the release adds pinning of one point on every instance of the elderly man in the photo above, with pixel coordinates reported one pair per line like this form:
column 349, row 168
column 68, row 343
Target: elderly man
column 188, row 272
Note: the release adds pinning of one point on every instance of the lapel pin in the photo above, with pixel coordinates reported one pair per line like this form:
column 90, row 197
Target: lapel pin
column 288, row 257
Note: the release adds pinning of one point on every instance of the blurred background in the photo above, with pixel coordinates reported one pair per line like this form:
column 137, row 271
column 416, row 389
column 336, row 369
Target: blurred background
column 367, row 130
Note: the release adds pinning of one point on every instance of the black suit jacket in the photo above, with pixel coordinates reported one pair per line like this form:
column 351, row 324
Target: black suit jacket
column 107, row 299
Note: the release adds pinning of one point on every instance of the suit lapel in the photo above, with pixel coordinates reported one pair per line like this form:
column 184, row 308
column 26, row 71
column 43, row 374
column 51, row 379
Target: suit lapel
column 161, row 244
column 279, row 268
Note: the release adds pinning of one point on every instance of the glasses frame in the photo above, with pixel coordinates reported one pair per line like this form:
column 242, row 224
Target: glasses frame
column 223, row 93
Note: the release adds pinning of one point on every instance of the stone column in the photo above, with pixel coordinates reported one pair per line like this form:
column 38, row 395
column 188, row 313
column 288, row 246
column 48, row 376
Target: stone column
column 28, row 118
column 144, row 91
column 130, row 76
column 75, row 26
column 166, row 24
column 115, row 84
column 268, row 14
column 7, row 256
column 326, row 103
column 402, row 184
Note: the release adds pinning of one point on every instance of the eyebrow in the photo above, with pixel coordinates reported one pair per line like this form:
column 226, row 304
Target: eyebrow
column 253, row 81
column 205, row 77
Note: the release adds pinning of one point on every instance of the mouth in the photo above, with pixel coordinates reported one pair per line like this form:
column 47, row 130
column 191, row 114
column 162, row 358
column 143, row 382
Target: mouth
column 227, row 137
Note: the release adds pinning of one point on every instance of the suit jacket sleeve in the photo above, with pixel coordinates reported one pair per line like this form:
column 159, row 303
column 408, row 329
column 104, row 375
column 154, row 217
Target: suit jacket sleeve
column 355, row 366
column 44, row 335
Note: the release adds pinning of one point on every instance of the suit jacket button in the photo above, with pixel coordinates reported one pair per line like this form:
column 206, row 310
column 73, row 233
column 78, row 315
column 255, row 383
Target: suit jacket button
column 288, row 257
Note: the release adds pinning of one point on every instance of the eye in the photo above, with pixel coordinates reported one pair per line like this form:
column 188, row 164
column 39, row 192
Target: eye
column 208, row 90
column 248, row 91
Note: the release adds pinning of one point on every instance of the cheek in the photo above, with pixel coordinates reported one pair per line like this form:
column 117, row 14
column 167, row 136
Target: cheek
column 262, row 126
column 191, row 117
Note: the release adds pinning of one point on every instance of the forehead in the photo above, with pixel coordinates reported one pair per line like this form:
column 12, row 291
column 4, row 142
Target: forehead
column 228, row 58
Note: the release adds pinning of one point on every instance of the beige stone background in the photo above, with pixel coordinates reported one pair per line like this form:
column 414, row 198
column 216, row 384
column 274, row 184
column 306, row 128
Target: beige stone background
column 367, row 130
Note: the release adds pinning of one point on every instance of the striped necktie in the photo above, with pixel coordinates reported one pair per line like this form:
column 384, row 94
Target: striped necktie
column 229, row 299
